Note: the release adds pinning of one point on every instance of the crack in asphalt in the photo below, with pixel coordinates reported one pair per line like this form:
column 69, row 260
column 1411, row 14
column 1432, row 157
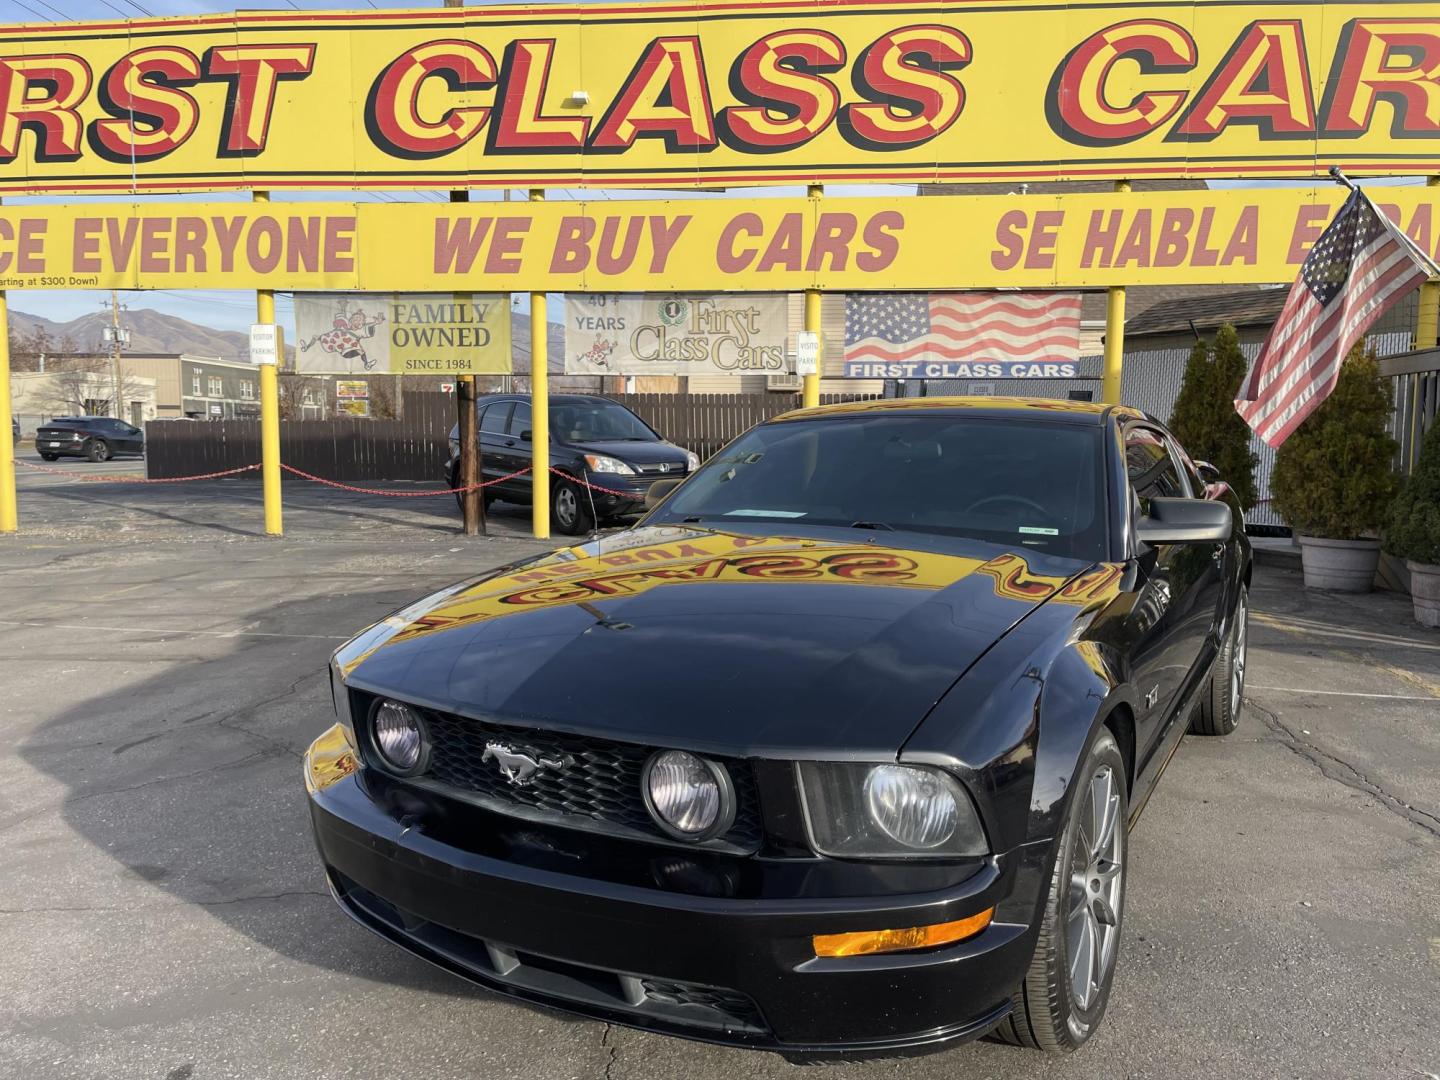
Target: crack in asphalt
column 614, row 1051
column 1342, row 772
column 103, row 910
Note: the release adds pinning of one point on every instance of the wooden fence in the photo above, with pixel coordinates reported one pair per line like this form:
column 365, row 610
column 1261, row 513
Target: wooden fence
column 417, row 446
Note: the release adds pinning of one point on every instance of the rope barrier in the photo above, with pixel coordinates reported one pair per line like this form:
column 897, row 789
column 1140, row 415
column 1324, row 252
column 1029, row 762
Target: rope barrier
column 117, row 479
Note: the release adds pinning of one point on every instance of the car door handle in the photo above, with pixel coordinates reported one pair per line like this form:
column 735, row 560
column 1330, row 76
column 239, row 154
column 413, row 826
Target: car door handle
column 509, row 442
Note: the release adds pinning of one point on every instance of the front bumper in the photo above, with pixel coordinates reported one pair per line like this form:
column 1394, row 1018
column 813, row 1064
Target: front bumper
column 695, row 950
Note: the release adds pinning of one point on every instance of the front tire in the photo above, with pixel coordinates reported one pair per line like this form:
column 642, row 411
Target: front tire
column 98, row 450
column 49, row 457
column 1223, row 698
column 568, row 508
column 1062, row 999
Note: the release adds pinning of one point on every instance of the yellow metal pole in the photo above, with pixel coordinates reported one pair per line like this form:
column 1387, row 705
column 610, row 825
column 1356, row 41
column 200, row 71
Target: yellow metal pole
column 9, row 516
column 810, row 396
column 269, row 411
column 1114, row 332
column 539, row 409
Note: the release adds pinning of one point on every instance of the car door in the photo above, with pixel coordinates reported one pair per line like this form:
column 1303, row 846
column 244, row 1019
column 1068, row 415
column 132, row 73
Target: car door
column 132, row 438
column 1162, row 655
column 516, row 449
column 1198, row 618
column 492, row 423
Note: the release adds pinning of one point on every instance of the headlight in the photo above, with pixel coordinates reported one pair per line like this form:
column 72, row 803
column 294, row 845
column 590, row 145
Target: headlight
column 888, row 811
column 689, row 797
column 398, row 734
column 692, row 460
column 601, row 463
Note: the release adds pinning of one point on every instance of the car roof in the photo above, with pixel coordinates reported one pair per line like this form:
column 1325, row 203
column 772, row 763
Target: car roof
column 555, row 399
column 1075, row 412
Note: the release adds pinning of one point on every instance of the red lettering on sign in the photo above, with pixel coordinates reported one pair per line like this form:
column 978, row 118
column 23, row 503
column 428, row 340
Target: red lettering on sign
column 150, row 115
column 1079, row 106
column 521, row 124
column 1264, row 80
column 665, row 96
column 42, row 94
column 903, row 76
column 788, row 101
column 1396, row 61
column 392, row 110
column 254, row 73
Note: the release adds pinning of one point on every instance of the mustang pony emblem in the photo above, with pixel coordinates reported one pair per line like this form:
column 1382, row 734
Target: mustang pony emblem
column 517, row 766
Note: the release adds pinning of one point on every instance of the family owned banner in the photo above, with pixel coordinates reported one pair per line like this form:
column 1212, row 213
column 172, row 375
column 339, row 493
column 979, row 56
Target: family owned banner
column 402, row 333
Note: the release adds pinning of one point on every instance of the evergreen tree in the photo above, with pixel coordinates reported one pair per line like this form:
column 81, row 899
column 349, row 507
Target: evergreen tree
column 1205, row 420
column 1413, row 529
column 1332, row 476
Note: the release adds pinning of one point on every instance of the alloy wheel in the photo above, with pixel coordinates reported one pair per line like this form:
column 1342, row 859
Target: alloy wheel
column 567, row 509
column 1097, row 870
column 1237, row 661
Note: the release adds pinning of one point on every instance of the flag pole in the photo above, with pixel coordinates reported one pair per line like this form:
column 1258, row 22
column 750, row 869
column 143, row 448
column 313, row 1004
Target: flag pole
column 1341, row 179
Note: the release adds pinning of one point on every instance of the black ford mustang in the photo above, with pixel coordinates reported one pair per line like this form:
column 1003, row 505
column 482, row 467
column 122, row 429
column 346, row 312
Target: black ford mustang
column 836, row 751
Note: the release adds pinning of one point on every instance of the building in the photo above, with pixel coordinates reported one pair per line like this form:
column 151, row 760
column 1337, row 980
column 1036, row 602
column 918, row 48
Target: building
column 198, row 387
column 36, row 397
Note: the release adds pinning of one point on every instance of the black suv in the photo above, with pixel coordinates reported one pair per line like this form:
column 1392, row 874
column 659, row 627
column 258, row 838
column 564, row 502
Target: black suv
column 98, row 438
column 593, row 440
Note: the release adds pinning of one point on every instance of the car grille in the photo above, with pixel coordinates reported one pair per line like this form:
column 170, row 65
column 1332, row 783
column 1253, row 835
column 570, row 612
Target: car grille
column 598, row 787
column 736, row 1007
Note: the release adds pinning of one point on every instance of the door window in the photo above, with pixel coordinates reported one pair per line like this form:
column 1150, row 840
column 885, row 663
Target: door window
column 520, row 418
column 1151, row 468
column 493, row 418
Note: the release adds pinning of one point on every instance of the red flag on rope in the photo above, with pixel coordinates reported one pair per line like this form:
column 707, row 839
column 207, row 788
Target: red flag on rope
column 1361, row 265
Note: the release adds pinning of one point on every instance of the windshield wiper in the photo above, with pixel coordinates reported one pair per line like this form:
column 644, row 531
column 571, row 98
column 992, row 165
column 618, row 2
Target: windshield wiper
column 877, row 525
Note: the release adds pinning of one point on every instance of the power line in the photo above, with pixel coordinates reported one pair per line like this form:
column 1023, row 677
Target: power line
column 32, row 11
column 53, row 8
column 140, row 9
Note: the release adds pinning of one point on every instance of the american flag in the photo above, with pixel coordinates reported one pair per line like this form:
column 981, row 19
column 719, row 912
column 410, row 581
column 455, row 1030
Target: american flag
column 974, row 326
column 1361, row 265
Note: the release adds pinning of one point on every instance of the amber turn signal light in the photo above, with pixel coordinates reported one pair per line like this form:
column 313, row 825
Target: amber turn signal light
column 863, row 942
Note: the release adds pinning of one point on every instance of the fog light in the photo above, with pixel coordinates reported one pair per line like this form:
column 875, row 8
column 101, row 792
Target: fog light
column 399, row 736
column 864, row 942
column 689, row 797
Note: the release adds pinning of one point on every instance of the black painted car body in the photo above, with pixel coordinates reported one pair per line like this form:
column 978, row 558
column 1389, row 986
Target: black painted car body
column 98, row 438
column 585, row 431
column 763, row 645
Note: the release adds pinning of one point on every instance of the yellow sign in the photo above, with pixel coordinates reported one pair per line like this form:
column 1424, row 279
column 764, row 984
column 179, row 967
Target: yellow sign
column 711, row 245
column 667, row 95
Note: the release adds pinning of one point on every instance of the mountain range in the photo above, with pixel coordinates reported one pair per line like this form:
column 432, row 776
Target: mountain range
column 154, row 331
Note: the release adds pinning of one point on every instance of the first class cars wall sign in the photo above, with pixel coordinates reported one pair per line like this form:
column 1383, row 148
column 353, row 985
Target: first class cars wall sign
column 685, row 94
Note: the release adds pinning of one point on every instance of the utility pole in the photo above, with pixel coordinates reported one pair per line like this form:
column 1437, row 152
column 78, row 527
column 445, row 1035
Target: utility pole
column 116, row 337
column 472, row 503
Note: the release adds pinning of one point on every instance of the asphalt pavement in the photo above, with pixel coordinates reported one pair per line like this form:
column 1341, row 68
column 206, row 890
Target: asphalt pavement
column 162, row 913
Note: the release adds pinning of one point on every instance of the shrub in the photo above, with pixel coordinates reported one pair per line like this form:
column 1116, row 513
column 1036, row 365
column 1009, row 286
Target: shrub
column 1205, row 420
column 1332, row 476
column 1413, row 528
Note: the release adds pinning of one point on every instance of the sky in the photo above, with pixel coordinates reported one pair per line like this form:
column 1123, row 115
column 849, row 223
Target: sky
column 234, row 310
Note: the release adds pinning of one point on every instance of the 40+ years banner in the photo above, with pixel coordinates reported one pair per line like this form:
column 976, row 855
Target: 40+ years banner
column 716, row 93
column 675, row 334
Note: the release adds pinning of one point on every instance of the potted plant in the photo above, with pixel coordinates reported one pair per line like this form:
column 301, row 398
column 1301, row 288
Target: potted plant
column 1333, row 483
column 1412, row 532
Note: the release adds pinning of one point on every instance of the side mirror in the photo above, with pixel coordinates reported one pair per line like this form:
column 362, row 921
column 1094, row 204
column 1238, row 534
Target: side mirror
column 525, row 436
column 659, row 489
column 1208, row 472
column 1185, row 521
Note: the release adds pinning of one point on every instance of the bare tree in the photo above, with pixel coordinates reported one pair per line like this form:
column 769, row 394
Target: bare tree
column 303, row 397
column 80, row 385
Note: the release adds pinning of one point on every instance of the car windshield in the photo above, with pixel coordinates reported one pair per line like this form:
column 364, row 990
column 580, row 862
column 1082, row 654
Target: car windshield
column 597, row 421
column 1022, row 484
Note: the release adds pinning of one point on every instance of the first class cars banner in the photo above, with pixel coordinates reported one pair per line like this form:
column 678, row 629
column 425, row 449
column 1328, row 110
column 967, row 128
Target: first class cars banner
column 675, row 334
column 707, row 94
column 707, row 246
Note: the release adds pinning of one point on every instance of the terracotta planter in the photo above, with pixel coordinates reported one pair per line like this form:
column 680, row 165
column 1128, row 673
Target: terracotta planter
column 1339, row 565
column 1425, row 592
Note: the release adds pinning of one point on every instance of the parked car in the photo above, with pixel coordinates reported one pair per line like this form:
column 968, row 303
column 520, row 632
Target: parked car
column 836, row 750
column 98, row 438
column 593, row 440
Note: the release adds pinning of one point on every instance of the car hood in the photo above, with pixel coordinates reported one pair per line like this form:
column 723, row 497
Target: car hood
column 635, row 452
column 712, row 641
